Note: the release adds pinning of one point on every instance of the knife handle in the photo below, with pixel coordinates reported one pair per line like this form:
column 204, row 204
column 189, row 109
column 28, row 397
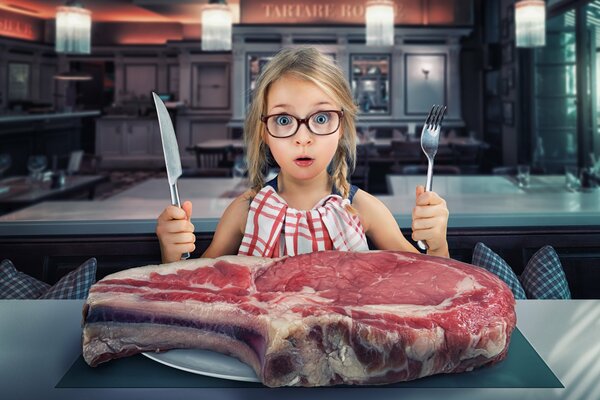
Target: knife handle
column 175, row 201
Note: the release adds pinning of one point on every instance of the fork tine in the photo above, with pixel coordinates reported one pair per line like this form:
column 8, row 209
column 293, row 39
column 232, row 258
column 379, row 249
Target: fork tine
column 436, row 110
column 429, row 116
column 441, row 115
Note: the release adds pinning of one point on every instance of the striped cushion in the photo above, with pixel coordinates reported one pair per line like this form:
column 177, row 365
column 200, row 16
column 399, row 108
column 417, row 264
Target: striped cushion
column 544, row 278
column 75, row 285
column 17, row 285
column 486, row 258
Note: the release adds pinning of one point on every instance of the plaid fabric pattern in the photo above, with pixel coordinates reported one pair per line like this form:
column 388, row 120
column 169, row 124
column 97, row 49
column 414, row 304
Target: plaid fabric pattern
column 273, row 229
column 76, row 284
column 484, row 257
column 17, row 285
column 544, row 278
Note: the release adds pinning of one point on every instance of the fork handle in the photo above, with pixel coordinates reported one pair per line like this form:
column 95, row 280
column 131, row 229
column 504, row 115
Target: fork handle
column 428, row 185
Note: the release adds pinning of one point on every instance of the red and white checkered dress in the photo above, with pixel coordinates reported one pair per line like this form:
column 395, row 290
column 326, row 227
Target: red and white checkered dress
column 273, row 229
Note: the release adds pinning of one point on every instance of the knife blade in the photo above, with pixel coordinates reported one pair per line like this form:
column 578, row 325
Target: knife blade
column 171, row 152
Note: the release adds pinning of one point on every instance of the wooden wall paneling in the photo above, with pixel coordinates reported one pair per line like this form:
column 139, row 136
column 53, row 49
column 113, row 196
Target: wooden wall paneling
column 210, row 86
column 425, row 82
column 141, row 79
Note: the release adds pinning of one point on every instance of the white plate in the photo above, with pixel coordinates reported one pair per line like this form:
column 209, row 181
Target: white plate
column 206, row 362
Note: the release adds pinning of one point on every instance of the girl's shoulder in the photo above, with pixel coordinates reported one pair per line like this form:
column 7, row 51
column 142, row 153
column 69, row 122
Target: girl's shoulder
column 237, row 210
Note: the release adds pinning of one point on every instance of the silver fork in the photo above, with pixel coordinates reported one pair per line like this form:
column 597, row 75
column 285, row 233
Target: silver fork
column 430, row 136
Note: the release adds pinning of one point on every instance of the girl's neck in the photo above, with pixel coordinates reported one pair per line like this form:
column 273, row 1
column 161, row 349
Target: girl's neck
column 302, row 194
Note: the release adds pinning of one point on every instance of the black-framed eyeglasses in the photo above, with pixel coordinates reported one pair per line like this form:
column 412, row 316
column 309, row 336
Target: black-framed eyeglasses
column 321, row 123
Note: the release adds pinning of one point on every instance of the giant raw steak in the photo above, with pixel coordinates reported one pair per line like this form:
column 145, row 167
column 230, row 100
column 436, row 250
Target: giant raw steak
column 322, row 318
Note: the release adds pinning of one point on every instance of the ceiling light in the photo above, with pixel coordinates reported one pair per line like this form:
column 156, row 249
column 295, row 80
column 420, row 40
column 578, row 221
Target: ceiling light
column 216, row 26
column 73, row 29
column 380, row 22
column 530, row 23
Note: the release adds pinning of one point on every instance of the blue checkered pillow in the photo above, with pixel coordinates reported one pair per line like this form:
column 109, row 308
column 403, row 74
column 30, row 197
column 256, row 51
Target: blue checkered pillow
column 17, row 285
column 486, row 258
column 75, row 285
column 544, row 278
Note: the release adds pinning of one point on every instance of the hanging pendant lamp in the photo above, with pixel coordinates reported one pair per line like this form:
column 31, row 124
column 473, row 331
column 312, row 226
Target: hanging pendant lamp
column 216, row 26
column 73, row 29
column 530, row 23
column 379, row 15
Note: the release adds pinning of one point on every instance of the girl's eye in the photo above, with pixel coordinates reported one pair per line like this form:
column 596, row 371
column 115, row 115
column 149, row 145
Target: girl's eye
column 321, row 118
column 283, row 120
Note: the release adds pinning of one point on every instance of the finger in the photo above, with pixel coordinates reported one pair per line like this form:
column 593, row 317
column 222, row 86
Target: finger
column 187, row 207
column 426, row 198
column 419, row 189
column 178, row 226
column 429, row 211
column 423, row 234
column 181, row 238
column 182, row 248
column 174, row 212
column 428, row 223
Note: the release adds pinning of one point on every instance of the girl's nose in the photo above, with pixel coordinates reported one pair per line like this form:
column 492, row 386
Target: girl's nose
column 303, row 136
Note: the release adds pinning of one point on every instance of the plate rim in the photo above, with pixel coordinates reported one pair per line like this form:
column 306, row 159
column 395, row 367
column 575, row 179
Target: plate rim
column 156, row 356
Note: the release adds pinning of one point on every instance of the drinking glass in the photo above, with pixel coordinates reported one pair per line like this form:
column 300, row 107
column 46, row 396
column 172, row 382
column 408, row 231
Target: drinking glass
column 5, row 162
column 239, row 167
column 36, row 164
column 523, row 175
column 571, row 178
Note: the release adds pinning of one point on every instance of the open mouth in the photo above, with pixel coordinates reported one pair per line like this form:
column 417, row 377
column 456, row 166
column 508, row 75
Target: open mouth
column 304, row 161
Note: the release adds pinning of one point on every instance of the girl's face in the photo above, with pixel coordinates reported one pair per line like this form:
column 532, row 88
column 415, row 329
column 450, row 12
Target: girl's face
column 303, row 155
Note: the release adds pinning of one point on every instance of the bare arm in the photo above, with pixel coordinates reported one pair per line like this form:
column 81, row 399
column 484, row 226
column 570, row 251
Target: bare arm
column 379, row 223
column 429, row 222
column 230, row 230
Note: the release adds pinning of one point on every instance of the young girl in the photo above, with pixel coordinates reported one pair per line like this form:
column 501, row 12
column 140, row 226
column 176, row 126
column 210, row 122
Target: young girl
column 303, row 116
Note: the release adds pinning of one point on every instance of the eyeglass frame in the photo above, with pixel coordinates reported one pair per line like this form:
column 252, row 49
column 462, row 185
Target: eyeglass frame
column 300, row 121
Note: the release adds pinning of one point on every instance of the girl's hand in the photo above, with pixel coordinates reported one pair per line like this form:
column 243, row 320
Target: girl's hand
column 430, row 222
column 175, row 232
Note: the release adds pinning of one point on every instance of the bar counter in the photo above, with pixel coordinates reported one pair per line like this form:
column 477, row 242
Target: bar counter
column 18, row 118
column 474, row 202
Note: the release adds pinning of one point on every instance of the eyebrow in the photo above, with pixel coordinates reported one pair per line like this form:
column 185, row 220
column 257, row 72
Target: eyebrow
column 317, row 104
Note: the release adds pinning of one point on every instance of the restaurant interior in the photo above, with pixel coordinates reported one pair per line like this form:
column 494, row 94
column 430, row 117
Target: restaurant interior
column 82, row 171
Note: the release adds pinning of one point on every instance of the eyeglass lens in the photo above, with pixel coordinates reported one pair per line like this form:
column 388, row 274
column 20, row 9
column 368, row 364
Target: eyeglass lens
column 319, row 123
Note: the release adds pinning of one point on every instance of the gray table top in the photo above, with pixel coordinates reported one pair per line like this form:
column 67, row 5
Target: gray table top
column 480, row 202
column 43, row 338
column 55, row 115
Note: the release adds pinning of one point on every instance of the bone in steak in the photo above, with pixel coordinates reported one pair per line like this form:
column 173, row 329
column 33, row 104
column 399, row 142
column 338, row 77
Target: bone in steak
column 316, row 319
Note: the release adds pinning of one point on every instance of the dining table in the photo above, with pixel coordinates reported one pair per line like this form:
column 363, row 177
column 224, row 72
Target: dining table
column 41, row 343
column 379, row 143
column 22, row 191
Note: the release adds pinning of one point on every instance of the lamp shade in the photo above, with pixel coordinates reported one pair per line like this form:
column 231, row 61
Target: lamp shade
column 530, row 23
column 73, row 29
column 216, row 26
column 379, row 16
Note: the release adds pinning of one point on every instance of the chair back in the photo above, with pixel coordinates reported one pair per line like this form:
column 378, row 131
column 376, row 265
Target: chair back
column 360, row 175
column 212, row 161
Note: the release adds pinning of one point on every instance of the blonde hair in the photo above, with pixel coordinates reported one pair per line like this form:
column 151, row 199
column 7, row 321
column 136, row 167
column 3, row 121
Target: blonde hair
column 308, row 64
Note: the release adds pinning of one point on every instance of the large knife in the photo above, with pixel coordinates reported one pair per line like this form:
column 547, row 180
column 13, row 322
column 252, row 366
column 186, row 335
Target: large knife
column 171, row 151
